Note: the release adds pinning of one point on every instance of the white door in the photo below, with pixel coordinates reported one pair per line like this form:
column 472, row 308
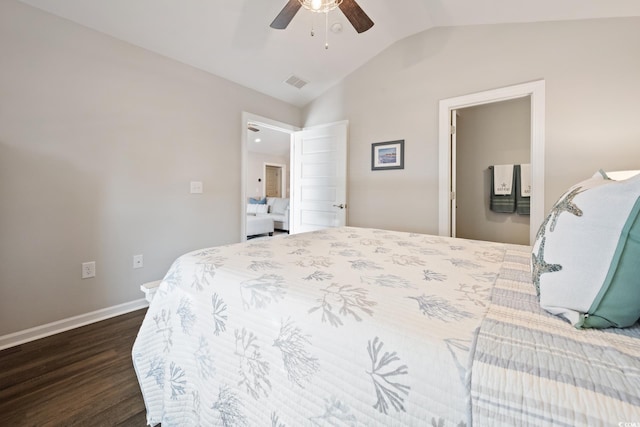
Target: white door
column 453, row 169
column 273, row 181
column 319, row 178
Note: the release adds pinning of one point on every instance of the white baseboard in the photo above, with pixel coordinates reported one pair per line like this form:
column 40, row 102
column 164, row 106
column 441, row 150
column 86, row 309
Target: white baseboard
column 53, row 328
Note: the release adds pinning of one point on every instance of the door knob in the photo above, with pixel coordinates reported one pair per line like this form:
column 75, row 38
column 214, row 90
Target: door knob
column 341, row 206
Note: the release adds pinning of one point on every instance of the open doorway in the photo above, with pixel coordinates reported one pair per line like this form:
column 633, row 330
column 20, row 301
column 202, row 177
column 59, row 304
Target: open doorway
column 498, row 133
column 265, row 143
column 536, row 93
column 317, row 173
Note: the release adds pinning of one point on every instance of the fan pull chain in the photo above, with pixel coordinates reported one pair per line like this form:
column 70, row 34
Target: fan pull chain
column 313, row 20
column 326, row 30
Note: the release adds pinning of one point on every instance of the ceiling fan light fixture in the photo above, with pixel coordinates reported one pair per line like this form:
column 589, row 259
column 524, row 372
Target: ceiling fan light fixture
column 320, row 6
column 350, row 8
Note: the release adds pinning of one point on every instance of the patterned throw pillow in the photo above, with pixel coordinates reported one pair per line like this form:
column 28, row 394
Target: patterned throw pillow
column 586, row 257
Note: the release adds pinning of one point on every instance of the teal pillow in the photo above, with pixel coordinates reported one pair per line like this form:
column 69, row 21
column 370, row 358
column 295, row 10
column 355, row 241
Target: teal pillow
column 254, row 201
column 586, row 257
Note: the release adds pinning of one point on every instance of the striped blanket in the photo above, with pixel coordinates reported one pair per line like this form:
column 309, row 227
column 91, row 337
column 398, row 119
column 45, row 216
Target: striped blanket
column 533, row 368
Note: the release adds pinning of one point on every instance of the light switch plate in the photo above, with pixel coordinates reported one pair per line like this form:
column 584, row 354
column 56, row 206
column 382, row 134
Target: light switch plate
column 196, row 187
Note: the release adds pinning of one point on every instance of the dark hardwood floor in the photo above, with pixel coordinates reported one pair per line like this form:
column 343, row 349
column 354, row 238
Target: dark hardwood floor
column 82, row 377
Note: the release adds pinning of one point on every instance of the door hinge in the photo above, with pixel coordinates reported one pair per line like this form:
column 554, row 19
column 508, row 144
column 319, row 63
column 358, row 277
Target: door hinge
column 452, row 195
column 452, row 130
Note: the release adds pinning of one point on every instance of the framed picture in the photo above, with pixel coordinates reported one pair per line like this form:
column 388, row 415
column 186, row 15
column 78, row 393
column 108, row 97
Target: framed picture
column 387, row 155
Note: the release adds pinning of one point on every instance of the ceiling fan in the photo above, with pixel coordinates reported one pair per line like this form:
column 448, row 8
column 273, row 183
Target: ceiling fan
column 354, row 13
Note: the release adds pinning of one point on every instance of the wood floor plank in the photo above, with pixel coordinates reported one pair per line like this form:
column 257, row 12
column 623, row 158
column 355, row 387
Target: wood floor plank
column 81, row 377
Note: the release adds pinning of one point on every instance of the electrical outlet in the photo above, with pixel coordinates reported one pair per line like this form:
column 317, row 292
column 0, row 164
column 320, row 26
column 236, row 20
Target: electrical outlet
column 137, row 261
column 88, row 269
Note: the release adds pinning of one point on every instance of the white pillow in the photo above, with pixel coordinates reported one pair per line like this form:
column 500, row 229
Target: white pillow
column 280, row 206
column 586, row 257
column 255, row 209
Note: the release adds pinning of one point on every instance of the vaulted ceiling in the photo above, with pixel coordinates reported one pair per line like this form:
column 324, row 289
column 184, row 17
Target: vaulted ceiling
column 232, row 39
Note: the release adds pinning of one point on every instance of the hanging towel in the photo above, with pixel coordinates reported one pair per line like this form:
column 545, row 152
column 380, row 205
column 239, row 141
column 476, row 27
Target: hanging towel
column 523, row 189
column 502, row 203
column 502, row 180
column 525, row 182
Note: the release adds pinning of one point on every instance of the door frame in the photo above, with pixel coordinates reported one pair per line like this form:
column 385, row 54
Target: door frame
column 244, row 157
column 453, row 146
column 536, row 91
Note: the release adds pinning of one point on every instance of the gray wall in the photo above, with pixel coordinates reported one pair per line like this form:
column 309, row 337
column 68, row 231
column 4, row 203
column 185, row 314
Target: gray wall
column 491, row 134
column 592, row 91
column 98, row 142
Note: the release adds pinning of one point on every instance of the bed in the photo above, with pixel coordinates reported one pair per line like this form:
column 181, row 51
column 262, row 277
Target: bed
column 365, row 327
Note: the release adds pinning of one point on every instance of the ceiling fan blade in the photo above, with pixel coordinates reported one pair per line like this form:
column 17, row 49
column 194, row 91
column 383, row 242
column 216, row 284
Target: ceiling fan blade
column 286, row 15
column 354, row 13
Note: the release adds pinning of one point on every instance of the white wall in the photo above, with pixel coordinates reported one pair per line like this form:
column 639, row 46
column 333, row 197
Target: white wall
column 98, row 142
column 491, row 134
column 592, row 91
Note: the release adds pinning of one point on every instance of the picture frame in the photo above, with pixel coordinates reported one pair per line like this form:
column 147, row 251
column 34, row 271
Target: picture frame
column 387, row 155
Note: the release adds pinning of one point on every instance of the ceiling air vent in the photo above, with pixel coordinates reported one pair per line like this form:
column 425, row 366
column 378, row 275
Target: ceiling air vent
column 296, row 82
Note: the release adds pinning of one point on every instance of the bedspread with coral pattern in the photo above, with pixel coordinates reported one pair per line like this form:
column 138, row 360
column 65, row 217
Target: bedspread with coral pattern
column 345, row 326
